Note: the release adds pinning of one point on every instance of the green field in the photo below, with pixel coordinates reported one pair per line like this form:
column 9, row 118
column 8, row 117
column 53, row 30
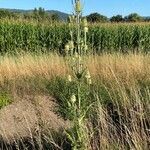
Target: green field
column 32, row 37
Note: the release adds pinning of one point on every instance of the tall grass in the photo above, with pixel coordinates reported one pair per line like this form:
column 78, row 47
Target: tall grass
column 132, row 67
column 119, row 94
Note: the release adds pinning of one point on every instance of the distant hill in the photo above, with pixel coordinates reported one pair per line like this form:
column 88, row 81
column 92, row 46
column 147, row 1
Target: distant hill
column 63, row 16
column 147, row 17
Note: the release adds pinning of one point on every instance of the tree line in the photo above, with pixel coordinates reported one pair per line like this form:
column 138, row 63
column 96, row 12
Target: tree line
column 40, row 14
column 133, row 17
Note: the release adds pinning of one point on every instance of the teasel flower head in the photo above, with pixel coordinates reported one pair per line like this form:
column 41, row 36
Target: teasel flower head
column 86, row 29
column 82, row 44
column 69, row 78
column 86, row 47
column 69, row 104
column 73, row 99
column 67, row 48
column 89, row 81
column 85, row 23
column 71, row 44
column 71, row 18
column 87, row 75
column 78, row 6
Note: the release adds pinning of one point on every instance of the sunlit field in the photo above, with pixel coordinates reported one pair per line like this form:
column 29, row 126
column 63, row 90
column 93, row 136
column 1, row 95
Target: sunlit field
column 35, row 87
column 74, row 82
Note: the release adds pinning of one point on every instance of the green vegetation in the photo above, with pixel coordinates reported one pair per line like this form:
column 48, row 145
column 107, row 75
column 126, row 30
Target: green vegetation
column 32, row 37
column 96, row 17
column 38, row 15
column 134, row 17
column 5, row 99
column 117, row 18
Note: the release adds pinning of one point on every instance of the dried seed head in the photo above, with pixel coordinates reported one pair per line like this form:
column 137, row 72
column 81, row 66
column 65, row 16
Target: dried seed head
column 67, row 47
column 87, row 76
column 73, row 17
column 86, row 29
column 73, row 98
column 82, row 44
column 89, row 81
column 78, row 6
column 69, row 78
column 71, row 44
column 85, row 24
column 69, row 104
column 85, row 47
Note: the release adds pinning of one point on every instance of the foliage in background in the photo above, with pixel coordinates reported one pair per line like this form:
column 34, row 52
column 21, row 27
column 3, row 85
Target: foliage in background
column 16, row 37
column 42, row 15
column 134, row 17
column 117, row 18
column 96, row 17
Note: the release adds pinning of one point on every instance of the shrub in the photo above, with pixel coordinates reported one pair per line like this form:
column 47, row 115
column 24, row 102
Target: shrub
column 4, row 99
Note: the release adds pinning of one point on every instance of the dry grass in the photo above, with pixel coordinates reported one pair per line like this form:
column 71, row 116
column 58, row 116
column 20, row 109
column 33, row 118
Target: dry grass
column 126, row 67
column 29, row 66
column 23, row 118
column 131, row 129
column 108, row 66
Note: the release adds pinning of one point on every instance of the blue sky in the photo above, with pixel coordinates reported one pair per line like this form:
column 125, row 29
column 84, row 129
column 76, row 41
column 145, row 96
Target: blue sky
column 105, row 7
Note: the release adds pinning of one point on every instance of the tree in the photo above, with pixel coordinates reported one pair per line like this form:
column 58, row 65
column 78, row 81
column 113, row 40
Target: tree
column 38, row 14
column 41, row 12
column 133, row 17
column 117, row 18
column 96, row 17
column 35, row 13
column 146, row 19
column 55, row 17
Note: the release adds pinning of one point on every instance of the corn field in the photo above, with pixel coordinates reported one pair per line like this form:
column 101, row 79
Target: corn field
column 16, row 37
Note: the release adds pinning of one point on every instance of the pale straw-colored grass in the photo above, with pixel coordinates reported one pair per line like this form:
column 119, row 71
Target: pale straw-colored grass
column 31, row 65
column 126, row 68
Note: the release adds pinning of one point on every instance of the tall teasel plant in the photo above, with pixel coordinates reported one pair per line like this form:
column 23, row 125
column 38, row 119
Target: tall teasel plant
column 76, row 47
column 78, row 27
